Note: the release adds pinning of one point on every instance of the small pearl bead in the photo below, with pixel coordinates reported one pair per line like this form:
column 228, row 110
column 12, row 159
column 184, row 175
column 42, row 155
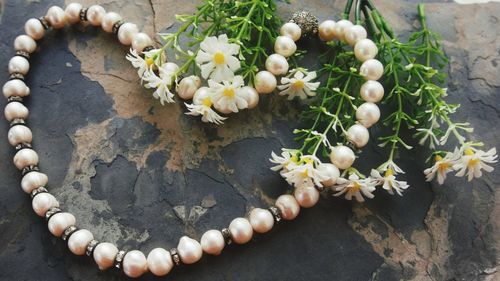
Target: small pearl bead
column 19, row 64
column 288, row 206
column 42, row 202
column 25, row 157
column 291, row 30
column 141, row 41
column 212, row 242
column 326, row 30
column 59, row 222
column 78, row 241
column 342, row 157
column 126, row 32
column 189, row 250
column 170, row 67
column 134, row 264
column 251, row 96
column 265, row 82
column 14, row 110
column 24, row 43
column 332, row 171
column 261, row 220
column 306, row 196
column 340, row 28
column 355, row 33
column 201, row 94
column 277, row 64
column 34, row 28
column 33, row 180
column 372, row 91
column 73, row 12
column 56, row 17
column 188, row 86
column 365, row 49
column 285, row 46
column 241, row 230
column 104, row 255
column 160, row 262
column 95, row 13
column 19, row 134
column 372, row 69
column 16, row 88
column 109, row 20
column 358, row 135
column 368, row 114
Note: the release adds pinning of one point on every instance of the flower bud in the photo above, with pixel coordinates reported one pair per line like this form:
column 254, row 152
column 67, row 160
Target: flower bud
column 188, row 86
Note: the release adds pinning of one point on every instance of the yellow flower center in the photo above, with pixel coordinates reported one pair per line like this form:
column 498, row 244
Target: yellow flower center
column 207, row 102
column 354, row 187
column 308, row 160
column 438, row 158
column 149, row 61
column 229, row 92
column 469, row 151
column 442, row 167
column 473, row 162
column 305, row 173
column 297, row 85
column 389, row 172
column 294, row 159
column 219, row 58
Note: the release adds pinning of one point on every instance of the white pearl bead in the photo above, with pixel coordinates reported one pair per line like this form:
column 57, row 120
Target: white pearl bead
column 372, row 69
column 33, row 180
column 170, row 67
column 141, row 41
column 188, row 86
column 126, row 32
column 365, row 49
column 355, row 33
column 160, row 262
column 289, row 207
column 342, row 157
column 277, row 64
column 251, row 96
column 265, row 82
column 109, row 20
column 340, row 28
column 201, row 94
column 104, row 255
column 368, row 114
column 34, row 28
column 189, row 250
column 42, row 202
column 306, row 196
column 95, row 13
column 25, row 157
column 15, row 87
column 372, row 91
column 358, row 135
column 331, row 171
column 78, row 241
column 56, row 17
column 19, row 134
column 261, row 220
column 212, row 242
column 134, row 264
column 24, row 43
column 59, row 222
column 18, row 64
column 291, row 30
column 14, row 110
column 224, row 109
column 241, row 230
column 285, row 46
column 73, row 12
column 326, row 30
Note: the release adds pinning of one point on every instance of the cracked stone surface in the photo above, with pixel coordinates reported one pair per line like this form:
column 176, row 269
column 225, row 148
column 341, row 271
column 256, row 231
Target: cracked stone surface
column 141, row 175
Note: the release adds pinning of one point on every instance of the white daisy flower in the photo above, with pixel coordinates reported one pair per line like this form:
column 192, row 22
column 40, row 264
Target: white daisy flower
column 391, row 165
column 299, row 85
column 442, row 166
column 161, row 83
column 354, row 186
column 216, row 58
column 473, row 161
column 228, row 96
column 288, row 157
column 388, row 181
column 207, row 113
column 305, row 172
column 151, row 58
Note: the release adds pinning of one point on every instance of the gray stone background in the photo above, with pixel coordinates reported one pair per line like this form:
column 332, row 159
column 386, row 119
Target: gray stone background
column 143, row 175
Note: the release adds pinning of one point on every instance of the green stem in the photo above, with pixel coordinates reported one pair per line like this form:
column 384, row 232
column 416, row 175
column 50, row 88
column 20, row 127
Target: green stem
column 347, row 9
column 246, row 21
column 357, row 12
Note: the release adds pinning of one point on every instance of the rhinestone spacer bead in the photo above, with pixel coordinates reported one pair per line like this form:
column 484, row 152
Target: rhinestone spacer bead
column 29, row 169
column 23, row 54
column 116, row 26
column 68, row 231
column 276, row 213
column 90, row 247
column 148, row 48
column 17, row 121
column 119, row 258
column 37, row 191
column 16, row 75
column 307, row 22
column 15, row 98
column 227, row 235
column 23, row 146
column 175, row 256
column 52, row 211
column 83, row 14
column 44, row 22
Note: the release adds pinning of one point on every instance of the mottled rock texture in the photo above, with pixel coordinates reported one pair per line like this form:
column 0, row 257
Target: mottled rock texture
column 141, row 175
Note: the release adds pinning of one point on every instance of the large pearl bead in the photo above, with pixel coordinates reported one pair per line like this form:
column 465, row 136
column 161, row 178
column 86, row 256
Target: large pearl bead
column 19, row 134
column 372, row 91
column 73, row 12
column 189, row 250
column 288, row 206
column 59, row 222
column 16, row 88
column 261, row 220
column 42, row 202
column 212, row 242
column 160, row 262
column 368, row 114
column 342, row 157
column 126, row 33
column 134, row 264
column 355, row 33
column 277, row 64
column 285, row 46
column 141, row 41
column 95, row 13
column 201, row 95
column 18, row 64
column 291, row 30
column 24, row 43
column 241, row 230
column 78, row 241
column 358, row 135
column 15, row 110
column 56, row 17
column 104, row 255
column 331, row 171
column 33, row 180
column 372, row 69
column 109, row 20
column 188, row 86
column 340, row 29
column 365, row 49
column 251, row 96
column 326, row 30
column 25, row 157
column 306, row 196
column 34, row 28
column 265, row 82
